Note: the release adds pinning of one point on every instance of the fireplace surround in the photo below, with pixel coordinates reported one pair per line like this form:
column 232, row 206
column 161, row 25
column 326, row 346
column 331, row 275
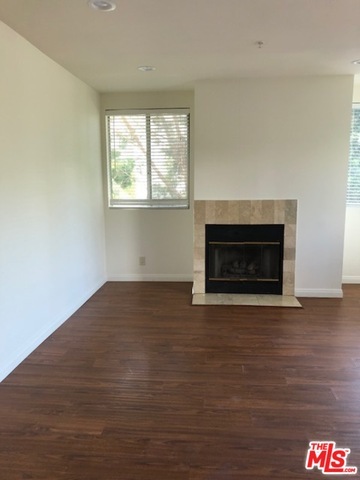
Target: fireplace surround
column 245, row 212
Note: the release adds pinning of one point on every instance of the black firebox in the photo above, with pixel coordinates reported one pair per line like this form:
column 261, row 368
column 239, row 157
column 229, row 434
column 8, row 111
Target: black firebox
column 244, row 259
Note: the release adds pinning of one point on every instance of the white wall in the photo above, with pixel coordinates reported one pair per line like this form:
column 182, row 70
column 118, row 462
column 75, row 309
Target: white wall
column 277, row 139
column 351, row 270
column 51, row 204
column 164, row 237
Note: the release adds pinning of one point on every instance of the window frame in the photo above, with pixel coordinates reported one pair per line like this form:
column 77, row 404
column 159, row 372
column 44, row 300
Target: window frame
column 349, row 201
column 166, row 203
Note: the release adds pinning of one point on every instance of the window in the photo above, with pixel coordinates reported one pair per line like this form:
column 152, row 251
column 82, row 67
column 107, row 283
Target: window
column 148, row 158
column 353, row 192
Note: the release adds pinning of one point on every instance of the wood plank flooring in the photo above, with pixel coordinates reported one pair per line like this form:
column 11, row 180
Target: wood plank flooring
column 141, row 385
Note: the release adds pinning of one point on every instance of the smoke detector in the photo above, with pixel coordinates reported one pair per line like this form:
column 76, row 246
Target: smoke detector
column 146, row 68
column 102, row 5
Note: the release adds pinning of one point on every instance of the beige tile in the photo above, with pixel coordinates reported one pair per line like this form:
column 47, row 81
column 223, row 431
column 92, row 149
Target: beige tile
column 199, row 236
column 289, row 242
column 199, row 282
column 278, row 301
column 290, row 211
column 199, row 253
column 290, row 230
column 201, row 286
column 288, row 289
column 289, row 266
column 234, row 212
column 256, row 212
column 279, row 211
column 244, row 212
column 268, row 211
column 289, row 253
column 210, row 211
column 199, row 299
column 199, row 265
column 245, row 300
column 222, row 212
column 288, row 283
column 199, row 212
column 288, row 278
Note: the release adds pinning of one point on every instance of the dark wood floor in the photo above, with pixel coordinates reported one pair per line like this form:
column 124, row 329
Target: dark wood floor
column 140, row 385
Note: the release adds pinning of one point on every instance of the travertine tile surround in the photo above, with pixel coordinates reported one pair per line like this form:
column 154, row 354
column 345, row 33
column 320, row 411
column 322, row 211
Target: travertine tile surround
column 245, row 212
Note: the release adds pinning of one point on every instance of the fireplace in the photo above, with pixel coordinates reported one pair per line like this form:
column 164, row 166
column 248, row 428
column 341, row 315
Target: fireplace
column 244, row 259
column 245, row 213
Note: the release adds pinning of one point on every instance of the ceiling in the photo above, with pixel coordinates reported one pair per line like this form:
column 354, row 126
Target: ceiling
column 190, row 40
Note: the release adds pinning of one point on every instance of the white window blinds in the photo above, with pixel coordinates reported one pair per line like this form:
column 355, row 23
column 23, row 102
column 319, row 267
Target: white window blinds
column 353, row 191
column 148, row 158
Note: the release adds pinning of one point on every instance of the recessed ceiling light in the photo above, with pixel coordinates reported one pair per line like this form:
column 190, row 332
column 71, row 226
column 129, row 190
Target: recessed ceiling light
column 356, row 62
column 146, row 68
column 102, row 5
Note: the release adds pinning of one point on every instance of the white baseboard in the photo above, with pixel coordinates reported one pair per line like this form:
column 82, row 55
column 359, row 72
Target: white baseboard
column 301, row 292
column 351, row 279
column 150, row 278
column 319, row 292
column 25, row 350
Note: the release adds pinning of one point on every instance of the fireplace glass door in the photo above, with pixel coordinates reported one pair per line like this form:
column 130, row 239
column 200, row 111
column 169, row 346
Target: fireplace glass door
column 244, row 258
column 244, row 261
